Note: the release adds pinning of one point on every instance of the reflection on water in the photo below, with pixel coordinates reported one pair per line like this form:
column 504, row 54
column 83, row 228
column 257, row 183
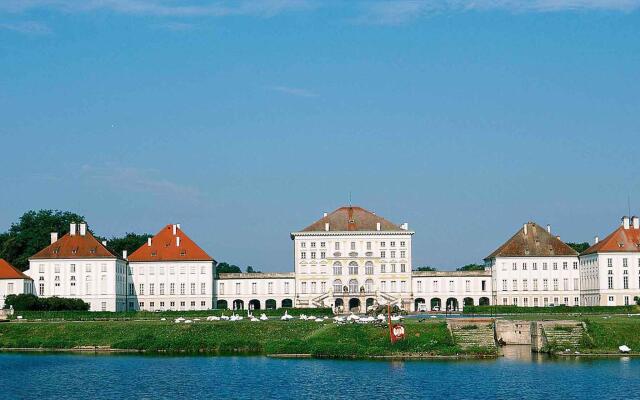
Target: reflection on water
column 519, row 374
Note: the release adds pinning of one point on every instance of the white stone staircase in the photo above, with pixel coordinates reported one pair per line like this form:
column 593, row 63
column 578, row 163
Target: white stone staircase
column 473, row 333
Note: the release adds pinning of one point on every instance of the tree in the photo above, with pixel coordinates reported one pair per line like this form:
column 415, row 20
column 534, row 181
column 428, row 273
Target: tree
column 471, row 267
column 251, row 270
column 426, row 269
column 32, row 233
column 129, row 242
column 225, row 268
column 579, row 247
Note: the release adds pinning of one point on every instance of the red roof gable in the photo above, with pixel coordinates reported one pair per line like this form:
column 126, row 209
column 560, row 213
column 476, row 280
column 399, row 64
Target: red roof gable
column 537, row 242
column 352, row 218
column 8, row 271
column 74, row 246
column 164, row 247
column 619, row 241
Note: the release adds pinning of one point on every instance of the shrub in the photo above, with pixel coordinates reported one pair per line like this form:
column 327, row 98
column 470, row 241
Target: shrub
column 30, row 302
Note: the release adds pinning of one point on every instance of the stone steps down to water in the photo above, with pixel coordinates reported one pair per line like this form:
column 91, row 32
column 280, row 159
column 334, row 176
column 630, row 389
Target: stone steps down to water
column 470, row 334
column 566, row 336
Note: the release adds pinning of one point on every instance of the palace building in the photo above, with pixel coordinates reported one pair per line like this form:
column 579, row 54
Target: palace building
column 13, row 281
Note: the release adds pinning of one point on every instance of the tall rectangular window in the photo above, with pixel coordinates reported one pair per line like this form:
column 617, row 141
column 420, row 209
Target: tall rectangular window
column 203, row 288
column 172, row 288
column 286, row 288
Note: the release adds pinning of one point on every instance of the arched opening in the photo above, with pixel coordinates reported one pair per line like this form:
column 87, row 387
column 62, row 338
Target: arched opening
column 452, row 304
column 238, row 304
column 484, row 301
column 222, row 305
column 370, row 303
column 353, row 268
column 436, row 304
column 353, row 286
column 468, row 301
column 287, row 303
column 270, row 304
column 337, row 286
column 420, row 301
column 354, row 305
column 339, row 305
column 368, row 268
column 337, row 268
column 254, row 304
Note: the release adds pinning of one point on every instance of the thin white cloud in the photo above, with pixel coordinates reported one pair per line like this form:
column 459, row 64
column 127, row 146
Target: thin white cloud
column 139, row 180
column 293, row 91
column 176, row 26
column 26, row 27
column 403, row 11
column 163, row 8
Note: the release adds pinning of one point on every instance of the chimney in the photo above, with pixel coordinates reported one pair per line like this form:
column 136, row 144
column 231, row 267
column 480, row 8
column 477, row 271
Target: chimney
column 596, row 240
column 324, row 215
column 72, row 229
column 377, row 226
column 635, row 222
column 404, row 226
column 178, row 226
column 558, row 237
column 83, row 229
column 54, row 237
column 525, row 229
column 178, row 241
column 104, row 243
column 548, row 228
column 174, row 229
column 149, row 242
column 326, row 226
column 625, row 222
column 124, row 254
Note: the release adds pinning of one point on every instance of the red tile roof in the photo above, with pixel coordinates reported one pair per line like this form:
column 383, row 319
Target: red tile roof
column 164, row 248
column 74, row 246
column 352, row 218
column 619, row 241
column 8, row 271
column 536, row 243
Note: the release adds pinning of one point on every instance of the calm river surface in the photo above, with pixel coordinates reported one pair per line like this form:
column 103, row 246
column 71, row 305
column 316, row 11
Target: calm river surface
column 518, row 375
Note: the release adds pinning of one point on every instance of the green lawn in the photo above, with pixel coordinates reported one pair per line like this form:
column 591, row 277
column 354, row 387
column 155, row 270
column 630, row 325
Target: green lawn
column 243, row 337
column 607, row 334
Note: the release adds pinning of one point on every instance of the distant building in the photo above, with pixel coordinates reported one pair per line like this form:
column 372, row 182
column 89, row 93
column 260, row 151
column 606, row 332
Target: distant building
column 79, row 266
column 535, row 269
column 450, row 290
column 610, row 269
column 13, row 281
column 255, row 291
column 170, row 272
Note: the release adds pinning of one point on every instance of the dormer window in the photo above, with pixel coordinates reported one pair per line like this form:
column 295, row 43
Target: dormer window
column 153, row 254
column 183, row 253
column 93, row 250
column 56, row 250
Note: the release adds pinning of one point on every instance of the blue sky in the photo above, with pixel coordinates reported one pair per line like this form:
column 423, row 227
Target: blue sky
column 244, row 121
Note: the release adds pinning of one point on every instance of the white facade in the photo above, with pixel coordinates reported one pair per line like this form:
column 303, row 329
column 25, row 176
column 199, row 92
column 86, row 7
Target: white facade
column 14, row 286
column 353, row 269
column 171, row 285
column 610, row 270
column 450, row 290
column 536, row 281
column 255, row 291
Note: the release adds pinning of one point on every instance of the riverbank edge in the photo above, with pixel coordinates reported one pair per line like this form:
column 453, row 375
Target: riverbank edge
column 389, row 357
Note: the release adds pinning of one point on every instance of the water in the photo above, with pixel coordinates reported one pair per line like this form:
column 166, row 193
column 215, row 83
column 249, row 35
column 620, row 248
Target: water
column 518, row 375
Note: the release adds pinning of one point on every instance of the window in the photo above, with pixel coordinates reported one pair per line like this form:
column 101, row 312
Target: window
column 41, row 289
column 515, row 301
column 337, row 245
column 419, row 286
column 10, row 288
column 303, row 244
column 337, row 268
column 625, row 283
column 193, row 288
column 172, row 288
column 182, row 288
column 402, row 244
column 467, row 286
column 183, row 269
column 337, row 286
column 544, row 266
column 555, row 266
column 535, row 302
column 610, row 282
column 323, row 287
column 383, row 286
column 162, row 289
column 403, row 267
column 524, row 266
column 382, row 244
column 103, row 267
column 203, row 304
column 504, row 301
column 575, row 265
column 625, row 263
column 484, row 286
column 151, row 289
column 303, row 255
column 393, row 254
column 392, row 244
column 504, row 285
column 368, row 245
column 254, row 288
column 172, row 270
column 451, row 286
column 313, row 255
column 393, row 268
column 565, row 284
column 237, row 287
column 514, row 266
column 576, row 284
column 286, row 288
column 313, row 244
column 514, row 285
column 323, row 244
column 555, row 283
column 56, row 268
column 270, row 288
column 535, row 284
column 103, row 306
column 303, row 287
column 353, row 245
column 353, row 268
column 545, row 284
column 383, row 254
column 525, row 285
column 162, row 270
column 534, row 266
column 203, row 269
column 436, row 286
column 313, row 287
column 403, row 286
column 72, row 268
column 323, row 255
column 609, row 262
column 383, row 268
column 368, row 268
column 403, row 254
column 141, row 289
column 565, row 265
column 203, row 288
column 41, row 268
column 393, row 286
column 221, row 288
column 525, row 302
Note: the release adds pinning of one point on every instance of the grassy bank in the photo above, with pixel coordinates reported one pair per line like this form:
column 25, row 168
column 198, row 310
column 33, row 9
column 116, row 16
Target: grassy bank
column 244, row 337
column 488, row 310
column 606, row 335
column 146, row 315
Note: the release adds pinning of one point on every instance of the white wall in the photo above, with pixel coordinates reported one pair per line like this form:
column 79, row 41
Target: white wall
column 624, row 271
column 257, row 287
column 14, row 286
